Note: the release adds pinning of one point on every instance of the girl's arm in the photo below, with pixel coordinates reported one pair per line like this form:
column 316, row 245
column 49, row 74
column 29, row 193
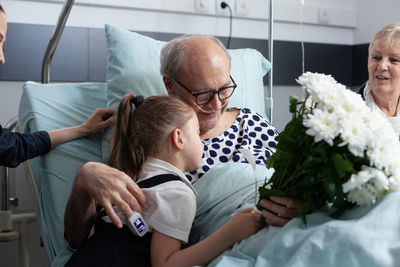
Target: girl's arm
column 165, row 250
column 100, row 119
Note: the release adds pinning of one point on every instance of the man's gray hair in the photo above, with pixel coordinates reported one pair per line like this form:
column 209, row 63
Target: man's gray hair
column 173, row 52
column 388, row 36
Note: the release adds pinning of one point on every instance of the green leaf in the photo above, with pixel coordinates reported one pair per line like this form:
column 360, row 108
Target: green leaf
column 305, row 208
column 339, row 164
column 330, row 188
column 348, row 166
column 293, row 104
column 340, row 197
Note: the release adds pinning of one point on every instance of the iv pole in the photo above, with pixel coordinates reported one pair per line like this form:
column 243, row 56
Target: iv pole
column 270, row 101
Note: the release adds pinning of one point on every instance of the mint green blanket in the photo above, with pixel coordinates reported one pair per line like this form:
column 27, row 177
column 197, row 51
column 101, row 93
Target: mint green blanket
column 363, row 236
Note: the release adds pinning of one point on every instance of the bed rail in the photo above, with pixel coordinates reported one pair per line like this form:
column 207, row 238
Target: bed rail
column 52, row 46
column 4, row 175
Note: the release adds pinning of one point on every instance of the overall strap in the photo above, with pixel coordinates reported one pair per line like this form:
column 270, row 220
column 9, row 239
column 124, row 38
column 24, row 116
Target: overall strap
column 153, row 181
column 159, row 179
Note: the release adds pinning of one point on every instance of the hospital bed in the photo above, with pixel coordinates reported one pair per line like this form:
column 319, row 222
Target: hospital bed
column 367, row 236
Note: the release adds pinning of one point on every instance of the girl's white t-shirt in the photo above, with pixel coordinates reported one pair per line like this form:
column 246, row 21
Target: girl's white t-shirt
column 172, row 204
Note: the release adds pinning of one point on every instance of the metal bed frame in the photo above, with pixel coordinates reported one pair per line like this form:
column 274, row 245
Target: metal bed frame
column 7, row 217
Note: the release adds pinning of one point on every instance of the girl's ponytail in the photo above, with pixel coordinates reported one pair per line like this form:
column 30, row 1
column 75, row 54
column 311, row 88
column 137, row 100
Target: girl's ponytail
column 127, row 153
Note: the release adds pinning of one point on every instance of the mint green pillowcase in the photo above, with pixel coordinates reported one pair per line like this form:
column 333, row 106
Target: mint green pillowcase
column 133, row 65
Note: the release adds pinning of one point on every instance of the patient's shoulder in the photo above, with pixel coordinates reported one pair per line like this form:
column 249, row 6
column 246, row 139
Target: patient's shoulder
column 233, row 112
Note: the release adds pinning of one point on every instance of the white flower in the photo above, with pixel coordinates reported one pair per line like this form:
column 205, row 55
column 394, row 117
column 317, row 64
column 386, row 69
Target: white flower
column 306, row 78
column 335, row 111
column 350, row 102
column 392, row 170
column 363, row 195
column 309, row 78
column 365, row 186
column 380, row 151
column 394, row 183
column 380, row 181
column 374, row 124
column 362, row 177
column 317, row 85
column 322, row 125
column 332, row 96
column 322, row 87
column 353, row 133
column 309, row 103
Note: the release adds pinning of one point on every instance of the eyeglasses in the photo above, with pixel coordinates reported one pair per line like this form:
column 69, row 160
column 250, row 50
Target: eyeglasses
column 206, row 97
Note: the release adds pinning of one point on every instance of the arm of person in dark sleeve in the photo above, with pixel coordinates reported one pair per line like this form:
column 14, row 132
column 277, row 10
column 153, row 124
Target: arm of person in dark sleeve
column 16, row 148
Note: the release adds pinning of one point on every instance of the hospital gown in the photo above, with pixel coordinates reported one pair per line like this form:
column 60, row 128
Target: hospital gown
column 250, row 131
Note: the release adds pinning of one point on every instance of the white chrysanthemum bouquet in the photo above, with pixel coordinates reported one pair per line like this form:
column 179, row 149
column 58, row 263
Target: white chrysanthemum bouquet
column 335, row 152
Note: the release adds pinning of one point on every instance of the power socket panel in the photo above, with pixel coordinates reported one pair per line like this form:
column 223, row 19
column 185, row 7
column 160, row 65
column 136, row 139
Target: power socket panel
column 202, row 5
column 224, row 12
column 241, row 8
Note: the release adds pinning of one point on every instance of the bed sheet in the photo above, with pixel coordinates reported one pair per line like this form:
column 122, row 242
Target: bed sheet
column 53, row 106
column 363, row 236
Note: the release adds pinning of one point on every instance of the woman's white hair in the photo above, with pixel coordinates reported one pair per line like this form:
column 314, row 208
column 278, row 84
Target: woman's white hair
column 389, row 36
column 173, row 52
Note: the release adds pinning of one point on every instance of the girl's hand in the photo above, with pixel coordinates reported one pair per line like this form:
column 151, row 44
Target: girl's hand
column 244, row 224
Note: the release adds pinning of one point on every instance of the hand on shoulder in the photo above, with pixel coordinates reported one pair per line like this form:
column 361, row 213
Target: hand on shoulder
column 109, row 186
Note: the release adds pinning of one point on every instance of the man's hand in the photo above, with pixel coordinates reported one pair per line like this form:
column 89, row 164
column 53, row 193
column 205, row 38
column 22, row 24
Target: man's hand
column 97, row 183
column 109, row 186
column 279, row 210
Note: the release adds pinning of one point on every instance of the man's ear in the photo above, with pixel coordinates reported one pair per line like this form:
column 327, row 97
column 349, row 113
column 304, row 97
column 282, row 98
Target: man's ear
column 177, row 139
column 168, row 84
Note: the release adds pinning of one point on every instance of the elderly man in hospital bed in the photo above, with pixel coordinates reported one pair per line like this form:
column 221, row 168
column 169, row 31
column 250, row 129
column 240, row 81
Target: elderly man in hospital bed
column 16, row 148
column 196, row 69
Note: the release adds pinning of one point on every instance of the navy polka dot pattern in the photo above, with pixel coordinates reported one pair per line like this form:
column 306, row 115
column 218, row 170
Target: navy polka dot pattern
column 250, row 131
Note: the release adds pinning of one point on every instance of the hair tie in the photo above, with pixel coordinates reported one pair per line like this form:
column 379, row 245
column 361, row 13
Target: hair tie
column 137, row 100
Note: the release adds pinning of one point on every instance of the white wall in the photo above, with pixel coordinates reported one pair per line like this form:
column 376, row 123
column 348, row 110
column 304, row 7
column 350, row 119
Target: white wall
column 372, row 16
column 10, row 93
column 338, row 28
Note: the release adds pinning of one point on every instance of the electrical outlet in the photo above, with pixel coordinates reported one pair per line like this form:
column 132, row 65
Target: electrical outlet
column 223, row 11
column 323, row 16
column 202, row 5
column 241, row 8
